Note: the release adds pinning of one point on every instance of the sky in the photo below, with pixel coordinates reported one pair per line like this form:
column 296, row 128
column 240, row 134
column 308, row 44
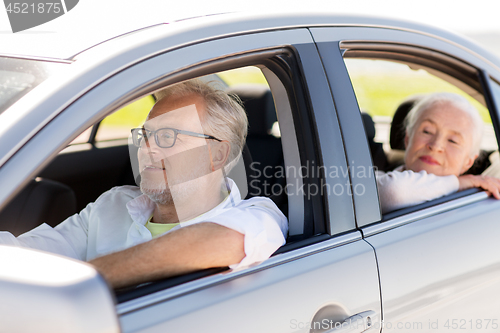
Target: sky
column 458, row 15
column 476, row 19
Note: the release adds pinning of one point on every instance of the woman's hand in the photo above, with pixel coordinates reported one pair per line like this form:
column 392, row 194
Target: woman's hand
column 490, row 184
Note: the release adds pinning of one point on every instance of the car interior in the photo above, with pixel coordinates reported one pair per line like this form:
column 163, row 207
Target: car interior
column 98, row 159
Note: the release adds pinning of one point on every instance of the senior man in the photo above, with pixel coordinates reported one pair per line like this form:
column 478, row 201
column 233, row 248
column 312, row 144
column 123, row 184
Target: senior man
column 186, row 215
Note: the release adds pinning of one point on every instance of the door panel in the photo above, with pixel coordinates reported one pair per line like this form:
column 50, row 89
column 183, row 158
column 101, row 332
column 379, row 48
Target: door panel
column 439, row 269
column 281, row 298
column 442, row 268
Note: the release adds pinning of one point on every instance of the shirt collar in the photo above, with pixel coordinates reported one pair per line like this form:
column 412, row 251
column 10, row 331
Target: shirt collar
column 140, row 209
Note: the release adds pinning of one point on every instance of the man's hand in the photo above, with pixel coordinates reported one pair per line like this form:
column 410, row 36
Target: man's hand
column 192, row 248
column 490, row 184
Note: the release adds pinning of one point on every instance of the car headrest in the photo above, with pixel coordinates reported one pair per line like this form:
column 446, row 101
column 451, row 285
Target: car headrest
column 398, row 131
column 259, row 105
column 41, row 201
column 369, row 126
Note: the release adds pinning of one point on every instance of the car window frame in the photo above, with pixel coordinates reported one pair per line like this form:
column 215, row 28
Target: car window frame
column 314, row 234
column 492, row 85
column 57, row 133
column 484, row 98
column 433, row 47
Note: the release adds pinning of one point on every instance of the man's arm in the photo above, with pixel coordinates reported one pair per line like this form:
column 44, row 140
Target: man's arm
column 182, row 251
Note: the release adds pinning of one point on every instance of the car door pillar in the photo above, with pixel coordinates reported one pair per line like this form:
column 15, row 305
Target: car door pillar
column 363, row 183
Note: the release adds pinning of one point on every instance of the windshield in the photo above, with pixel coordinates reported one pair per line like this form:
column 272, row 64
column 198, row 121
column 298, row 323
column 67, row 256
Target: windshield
column 19, row 76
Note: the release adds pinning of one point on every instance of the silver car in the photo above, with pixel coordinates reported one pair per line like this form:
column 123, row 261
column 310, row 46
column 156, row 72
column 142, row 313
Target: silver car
column 321, row 93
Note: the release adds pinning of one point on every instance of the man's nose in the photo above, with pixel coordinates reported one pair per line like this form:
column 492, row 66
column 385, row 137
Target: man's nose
column 150, row 148
column 149, row 144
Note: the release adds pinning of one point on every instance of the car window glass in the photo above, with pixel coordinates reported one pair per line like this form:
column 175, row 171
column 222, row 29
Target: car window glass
column 19, row 76
column 381, row 86
column 386, row 91
column 495, row 91
column 494, row 169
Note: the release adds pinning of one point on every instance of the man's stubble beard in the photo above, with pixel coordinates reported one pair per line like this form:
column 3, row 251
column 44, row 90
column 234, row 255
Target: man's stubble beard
column 159, row 196
column 161, row 193
column 157, row 191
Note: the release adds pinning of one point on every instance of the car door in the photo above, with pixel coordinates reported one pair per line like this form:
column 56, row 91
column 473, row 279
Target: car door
column 326, row 272
column 300, row 290
column 438, row 263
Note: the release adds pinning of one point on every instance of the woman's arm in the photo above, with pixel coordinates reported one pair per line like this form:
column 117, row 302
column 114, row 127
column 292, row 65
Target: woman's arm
column 400, row 189
column 490, row 184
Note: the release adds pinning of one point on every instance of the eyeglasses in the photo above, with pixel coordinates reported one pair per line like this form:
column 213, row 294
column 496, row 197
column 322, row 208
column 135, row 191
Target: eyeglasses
column 164, row 137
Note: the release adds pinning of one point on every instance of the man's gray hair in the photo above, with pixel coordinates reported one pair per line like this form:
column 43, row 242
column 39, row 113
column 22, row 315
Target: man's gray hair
column 458, row 102
column 225, row 117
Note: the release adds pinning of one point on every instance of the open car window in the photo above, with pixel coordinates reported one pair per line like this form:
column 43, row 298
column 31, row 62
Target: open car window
column 387, row 88
column 98, row 159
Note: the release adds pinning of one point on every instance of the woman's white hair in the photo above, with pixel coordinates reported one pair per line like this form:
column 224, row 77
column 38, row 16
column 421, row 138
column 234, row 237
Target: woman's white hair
column 225, row 117
column 458, row 102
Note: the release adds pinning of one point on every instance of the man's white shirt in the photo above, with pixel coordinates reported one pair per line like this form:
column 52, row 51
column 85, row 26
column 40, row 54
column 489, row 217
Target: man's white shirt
column 116, row 221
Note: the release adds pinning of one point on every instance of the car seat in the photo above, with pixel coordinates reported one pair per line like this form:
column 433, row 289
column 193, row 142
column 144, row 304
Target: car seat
column 265, row 149
column 379, row 158
column 41, row 201
column 398, row 130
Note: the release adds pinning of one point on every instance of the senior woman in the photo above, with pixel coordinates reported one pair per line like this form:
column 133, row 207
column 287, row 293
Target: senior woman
column 443, row 135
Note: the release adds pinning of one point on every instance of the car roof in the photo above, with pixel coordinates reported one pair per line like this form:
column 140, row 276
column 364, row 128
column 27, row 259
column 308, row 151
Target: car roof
column 72, row 39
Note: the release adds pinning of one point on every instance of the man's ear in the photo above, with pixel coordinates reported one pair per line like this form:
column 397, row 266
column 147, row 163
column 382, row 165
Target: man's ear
column 407, row 139
column 468, row 163
column 220, row 154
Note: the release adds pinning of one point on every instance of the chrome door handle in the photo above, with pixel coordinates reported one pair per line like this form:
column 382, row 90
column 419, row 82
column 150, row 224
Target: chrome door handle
column 358, row 323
